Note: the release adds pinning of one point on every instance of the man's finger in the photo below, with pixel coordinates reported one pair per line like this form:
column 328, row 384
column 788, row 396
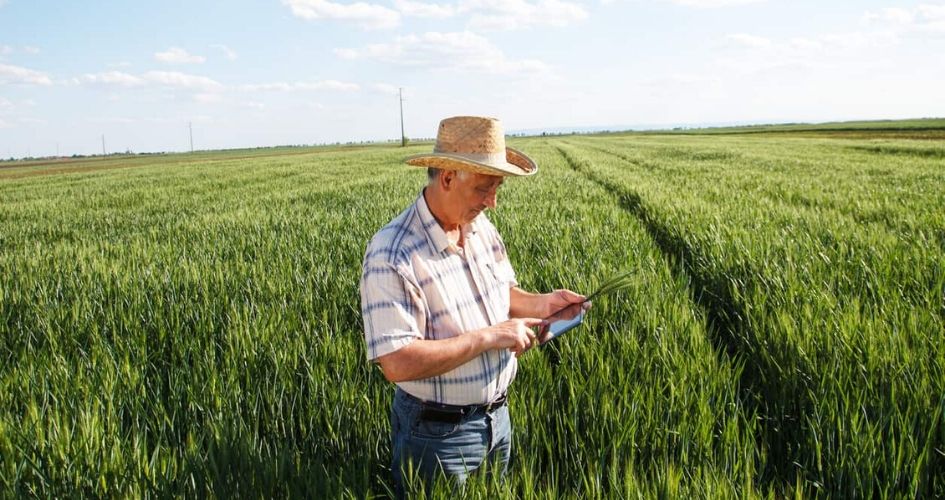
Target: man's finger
column 574, row 297
column 531, row 343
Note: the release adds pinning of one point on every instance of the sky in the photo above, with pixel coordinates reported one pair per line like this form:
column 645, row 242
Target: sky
column 238, row 73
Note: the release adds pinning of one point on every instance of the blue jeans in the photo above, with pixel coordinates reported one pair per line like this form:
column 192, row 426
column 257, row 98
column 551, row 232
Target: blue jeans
column 454, row 449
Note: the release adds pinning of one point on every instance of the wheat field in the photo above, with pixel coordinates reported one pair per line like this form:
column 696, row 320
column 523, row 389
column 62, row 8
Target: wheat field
column 189, row 324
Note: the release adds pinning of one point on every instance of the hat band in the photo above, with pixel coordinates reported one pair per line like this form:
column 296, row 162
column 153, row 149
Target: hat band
column 486, row 158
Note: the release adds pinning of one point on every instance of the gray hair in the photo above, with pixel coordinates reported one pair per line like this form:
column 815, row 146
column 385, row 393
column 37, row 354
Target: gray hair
column 433, row 173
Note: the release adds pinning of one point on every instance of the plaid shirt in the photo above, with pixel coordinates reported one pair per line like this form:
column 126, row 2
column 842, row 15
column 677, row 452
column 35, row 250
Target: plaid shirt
column 415, row 285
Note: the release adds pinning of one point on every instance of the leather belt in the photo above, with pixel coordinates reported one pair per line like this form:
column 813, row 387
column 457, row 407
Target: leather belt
column 453, row 414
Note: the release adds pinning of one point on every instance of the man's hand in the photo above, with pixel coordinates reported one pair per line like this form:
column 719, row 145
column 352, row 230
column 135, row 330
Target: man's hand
column 514, row 334
column 559, row 299
column 542, row 305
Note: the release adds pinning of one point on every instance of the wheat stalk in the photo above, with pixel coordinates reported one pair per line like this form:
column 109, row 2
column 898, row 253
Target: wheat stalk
column 616, row 283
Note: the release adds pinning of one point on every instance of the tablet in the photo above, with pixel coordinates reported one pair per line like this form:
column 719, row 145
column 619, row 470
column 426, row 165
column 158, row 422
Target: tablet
column 560, row 322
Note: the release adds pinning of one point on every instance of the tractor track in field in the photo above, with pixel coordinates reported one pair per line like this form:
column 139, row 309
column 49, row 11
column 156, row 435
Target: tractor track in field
column 800, row 202
column 780, row 419
column 721, row 312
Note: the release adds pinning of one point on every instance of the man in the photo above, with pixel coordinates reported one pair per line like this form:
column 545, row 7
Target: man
column 443, row 315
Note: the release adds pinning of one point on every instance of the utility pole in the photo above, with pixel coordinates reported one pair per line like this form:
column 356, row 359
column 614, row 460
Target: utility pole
column 57, row 150
column 103, row 145
column 403, row 138
column 191, row 126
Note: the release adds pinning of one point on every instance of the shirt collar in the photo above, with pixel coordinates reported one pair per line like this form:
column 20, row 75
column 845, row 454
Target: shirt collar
column 435, row 232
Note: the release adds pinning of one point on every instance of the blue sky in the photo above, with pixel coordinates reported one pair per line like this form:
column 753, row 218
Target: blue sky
column 275, row 72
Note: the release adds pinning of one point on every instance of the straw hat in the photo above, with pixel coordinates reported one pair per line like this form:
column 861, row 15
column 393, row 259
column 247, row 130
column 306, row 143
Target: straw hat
column 476, row 144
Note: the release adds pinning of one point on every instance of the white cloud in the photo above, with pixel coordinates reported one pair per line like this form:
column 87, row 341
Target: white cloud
column 174, row 120
column 855, row 40
column 365, row 15
column 177, row 55
column 385, row 88
column 175, row 79
column 499, row 14
column 712, row 4
column 206, row 89
column 171, row 79
column 113, row 78
column 6, row 103
column 422, row 9
column 465, row 51
column 801, row 43
column 113, row 119
column 301, row 86
column 820, row 45
column 5, row 124
column 932, row 12
column 228, row 53
column 923, row 19
column 19, row 75
column 682, row 79
column 482, row 14
column 890, row 15
column 520, row 14
column 208, row 98
column 346, row 53
column 6, row 50
column 746, row 40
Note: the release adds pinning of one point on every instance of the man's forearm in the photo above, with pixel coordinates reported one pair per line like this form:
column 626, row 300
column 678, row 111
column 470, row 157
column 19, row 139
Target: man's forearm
column 427, row 358
column 524, row 304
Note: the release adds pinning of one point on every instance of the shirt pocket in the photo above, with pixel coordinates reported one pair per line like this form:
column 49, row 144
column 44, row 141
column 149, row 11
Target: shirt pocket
column 503, row 274
column 503, row 279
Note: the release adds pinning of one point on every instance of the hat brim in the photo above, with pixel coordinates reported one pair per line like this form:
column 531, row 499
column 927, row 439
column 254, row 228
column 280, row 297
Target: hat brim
column 517, row 164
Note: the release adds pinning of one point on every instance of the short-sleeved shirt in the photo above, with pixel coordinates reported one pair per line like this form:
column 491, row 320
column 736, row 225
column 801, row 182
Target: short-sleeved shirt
column 416, row 285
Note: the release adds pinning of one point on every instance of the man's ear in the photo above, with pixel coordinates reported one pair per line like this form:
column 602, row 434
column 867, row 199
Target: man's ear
column 447, row 178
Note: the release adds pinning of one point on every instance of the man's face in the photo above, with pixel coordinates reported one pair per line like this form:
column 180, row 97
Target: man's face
column 475, row 193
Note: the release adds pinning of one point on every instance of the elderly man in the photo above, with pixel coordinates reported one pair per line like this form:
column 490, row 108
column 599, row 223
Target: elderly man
column 443, row 315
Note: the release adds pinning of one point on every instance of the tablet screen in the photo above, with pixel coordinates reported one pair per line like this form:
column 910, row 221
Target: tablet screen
column 561, row 322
